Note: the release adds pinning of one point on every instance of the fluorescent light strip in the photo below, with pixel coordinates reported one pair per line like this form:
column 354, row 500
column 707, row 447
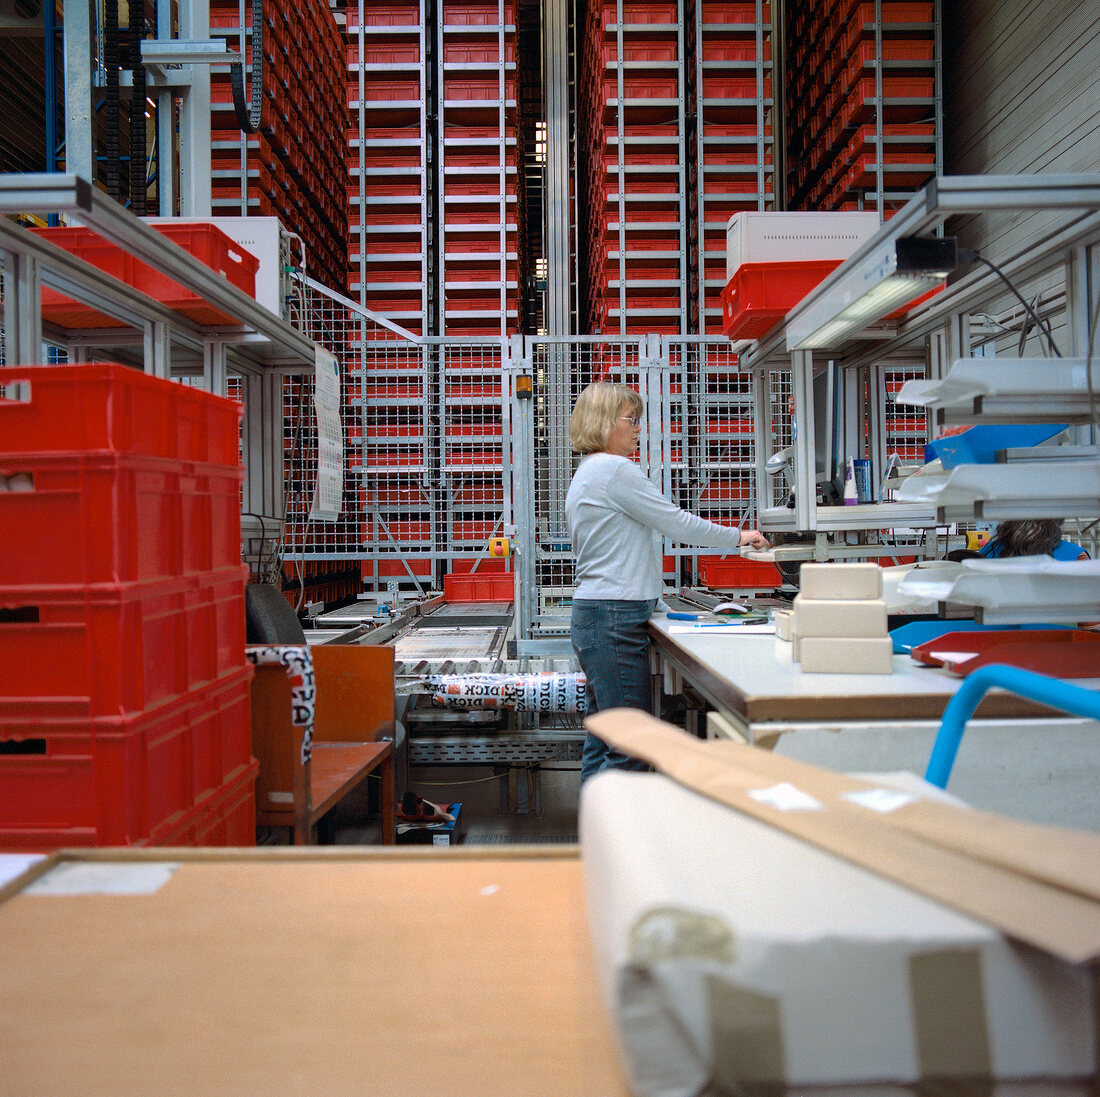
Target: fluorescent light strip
column 878, row 302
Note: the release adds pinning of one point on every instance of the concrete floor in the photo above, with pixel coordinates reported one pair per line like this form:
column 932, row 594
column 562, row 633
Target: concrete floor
column 355, row 821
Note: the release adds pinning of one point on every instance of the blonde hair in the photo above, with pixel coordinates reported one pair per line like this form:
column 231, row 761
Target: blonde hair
column 596, row 412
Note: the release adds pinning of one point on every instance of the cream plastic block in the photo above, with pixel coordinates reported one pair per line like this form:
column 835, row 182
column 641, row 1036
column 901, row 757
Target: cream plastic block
column 846, row 655
column 840, row 581
column 839, row 617
column 784, row 624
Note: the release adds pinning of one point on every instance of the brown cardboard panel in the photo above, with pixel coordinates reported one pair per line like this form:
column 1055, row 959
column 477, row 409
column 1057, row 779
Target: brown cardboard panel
column 1062, row 922
column 309, row 975
column 1059, row 856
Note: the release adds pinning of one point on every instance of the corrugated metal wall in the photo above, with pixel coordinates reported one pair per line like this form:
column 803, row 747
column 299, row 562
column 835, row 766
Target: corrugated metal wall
column 1022, row 95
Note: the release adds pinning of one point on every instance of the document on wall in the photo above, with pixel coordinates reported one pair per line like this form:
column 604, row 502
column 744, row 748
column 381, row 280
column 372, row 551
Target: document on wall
column 328, row 492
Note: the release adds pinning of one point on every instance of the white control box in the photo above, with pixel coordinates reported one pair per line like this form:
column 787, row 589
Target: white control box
column 757, row 237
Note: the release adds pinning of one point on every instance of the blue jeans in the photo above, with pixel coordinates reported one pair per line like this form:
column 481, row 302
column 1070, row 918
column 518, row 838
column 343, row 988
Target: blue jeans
column 612, row 646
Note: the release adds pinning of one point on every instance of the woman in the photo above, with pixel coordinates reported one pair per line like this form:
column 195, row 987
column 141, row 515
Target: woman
column 1032, row 537
column 613, row 510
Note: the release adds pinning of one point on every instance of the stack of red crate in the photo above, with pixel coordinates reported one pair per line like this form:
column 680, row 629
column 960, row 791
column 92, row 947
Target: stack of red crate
column 734, row 156
column 124, row 707
column 862, row 103
column 286, row 169
column 480, row 181
column 387, row 182
column 633, row 238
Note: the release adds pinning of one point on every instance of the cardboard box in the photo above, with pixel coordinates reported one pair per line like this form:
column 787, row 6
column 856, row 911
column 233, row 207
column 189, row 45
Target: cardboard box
column 751, row 958
column 433, row 834
column 784, row 624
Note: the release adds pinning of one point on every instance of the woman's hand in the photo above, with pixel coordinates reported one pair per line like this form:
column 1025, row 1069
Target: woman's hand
column 753, row 538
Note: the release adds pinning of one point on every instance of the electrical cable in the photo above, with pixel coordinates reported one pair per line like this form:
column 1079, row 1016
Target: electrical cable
column 111, row 119
column 249, row 115
column 528, row 766
column 968, row 255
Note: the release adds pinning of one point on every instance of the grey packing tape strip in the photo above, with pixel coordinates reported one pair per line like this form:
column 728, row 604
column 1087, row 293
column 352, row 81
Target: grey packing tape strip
column 747, row 1037
column 949, row 1016
column 675, row 948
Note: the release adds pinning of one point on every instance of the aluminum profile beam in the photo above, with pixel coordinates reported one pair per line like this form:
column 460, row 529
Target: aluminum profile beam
column 555, row 29
column 53, row 193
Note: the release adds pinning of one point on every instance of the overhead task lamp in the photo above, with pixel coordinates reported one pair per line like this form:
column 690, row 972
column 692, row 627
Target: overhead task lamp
column 894, row 273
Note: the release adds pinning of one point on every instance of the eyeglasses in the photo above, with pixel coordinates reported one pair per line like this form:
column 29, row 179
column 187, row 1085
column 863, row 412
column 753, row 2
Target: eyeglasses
column 633, row 420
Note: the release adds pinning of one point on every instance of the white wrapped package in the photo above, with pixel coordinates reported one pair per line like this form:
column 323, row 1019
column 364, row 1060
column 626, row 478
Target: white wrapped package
column 733, row 955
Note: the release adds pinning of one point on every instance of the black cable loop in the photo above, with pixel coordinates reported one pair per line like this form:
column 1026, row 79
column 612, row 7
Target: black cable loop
column 248, row 117
column 1042, row 325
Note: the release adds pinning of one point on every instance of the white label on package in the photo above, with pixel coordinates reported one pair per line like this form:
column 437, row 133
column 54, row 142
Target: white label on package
column 328, row 493
column 883, row 800
column 104, row 879
column 786, row 797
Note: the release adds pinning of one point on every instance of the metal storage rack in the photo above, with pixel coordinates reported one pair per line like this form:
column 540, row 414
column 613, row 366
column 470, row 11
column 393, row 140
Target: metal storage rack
column 632, row 125
column 388, row 80
column 865, row 97
column 478, row 177
column 731, row 133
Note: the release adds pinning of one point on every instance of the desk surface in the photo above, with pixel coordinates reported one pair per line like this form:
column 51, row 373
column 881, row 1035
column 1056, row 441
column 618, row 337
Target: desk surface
column 324, row 972
column 753, row 677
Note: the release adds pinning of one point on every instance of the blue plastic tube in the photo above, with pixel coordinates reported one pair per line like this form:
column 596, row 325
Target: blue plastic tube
column 1038, row 687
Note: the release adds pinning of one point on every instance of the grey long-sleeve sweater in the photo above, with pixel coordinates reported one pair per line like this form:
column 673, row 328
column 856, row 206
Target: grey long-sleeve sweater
column 612, row 509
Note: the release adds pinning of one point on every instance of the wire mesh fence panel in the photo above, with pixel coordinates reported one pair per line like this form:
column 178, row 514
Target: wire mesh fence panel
column 782, row 428
column 709, row 452
column 542, row 463
column 696, row 443
column 906, row 426
column 469, row 432
column 384, row 530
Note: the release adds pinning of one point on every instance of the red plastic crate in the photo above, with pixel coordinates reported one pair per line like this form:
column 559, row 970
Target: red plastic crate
column 733, row 13
column 479, row 586
column 899, row 169
column 113, row 408
column 205, row 242
column 734, row 85
column 735, row 48
column 225, row 817
column 396, row 569
column 759, row 295
column 894, row 11
column 120, row 780
column 109, row 519
column 861, row 99
column 110, row 651
column 641, row 11
column 714, row 571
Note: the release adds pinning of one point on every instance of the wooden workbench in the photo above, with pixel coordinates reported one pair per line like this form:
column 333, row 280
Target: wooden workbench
column 310, row 972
